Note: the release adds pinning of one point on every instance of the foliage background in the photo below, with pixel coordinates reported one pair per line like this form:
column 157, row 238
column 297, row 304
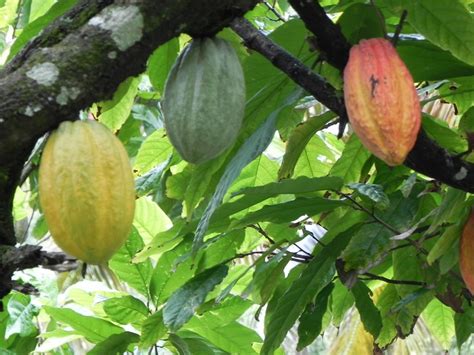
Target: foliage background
column 313, row 234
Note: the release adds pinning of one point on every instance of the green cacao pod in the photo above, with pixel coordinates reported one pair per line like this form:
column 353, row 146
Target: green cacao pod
column 87, row 191
column 381, row 100
column 204, row 100
column 466, row 253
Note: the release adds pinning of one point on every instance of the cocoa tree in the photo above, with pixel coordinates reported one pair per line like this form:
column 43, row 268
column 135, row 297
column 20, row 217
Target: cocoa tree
column 302, row 228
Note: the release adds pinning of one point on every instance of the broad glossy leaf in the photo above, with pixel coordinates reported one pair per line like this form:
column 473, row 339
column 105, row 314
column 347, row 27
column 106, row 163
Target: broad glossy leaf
column 35, row 27
column 428, row 62
column 446, row 23
column 155, row 150
column 115, row 112
column 361, row 21
column 93, row 329
column 22, row 315
column 374, row 239
column 439, row 319
column 298, row 140
column 149, row 219
column 182, row 304
column 311, row 321
column 126, row 309
column 353, row 158
column 446, row 137
column 137, row 275
column 408, row 266
column 115, row 344
column 290, row 211
column 233, row 338
column 160, row 63
column 369, row 314
column 153, row 329
column 464, row 325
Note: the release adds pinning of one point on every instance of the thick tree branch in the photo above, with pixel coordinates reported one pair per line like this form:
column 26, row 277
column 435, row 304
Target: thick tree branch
column 315, row 84
column 82, row 58
column 25, row 257
column 330, row 39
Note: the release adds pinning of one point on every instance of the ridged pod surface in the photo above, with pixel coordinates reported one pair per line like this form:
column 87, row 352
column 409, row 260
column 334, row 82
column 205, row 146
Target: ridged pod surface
column 204, row 100
column 87, row 191
column 466, row 253
column 381, row 100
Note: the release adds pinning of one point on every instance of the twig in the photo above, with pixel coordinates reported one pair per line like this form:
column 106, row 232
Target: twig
column 275, row 12
column 398, row 30
column 392, row 281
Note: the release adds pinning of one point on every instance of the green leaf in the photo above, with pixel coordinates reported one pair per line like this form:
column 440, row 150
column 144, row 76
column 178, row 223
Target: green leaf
column 298, row 141
column 373, row 240
column 160, row 63
column 369, row 314
column 183, row 302
column 115, row 112
column 125, row 310
column 407, row 266
column 115, row 344
column 446, row 23
column 450, row 235
column 318, row 273
column 8, row 12
column 169, row 275
column 199, row 182
column 449, row 210
column 372, row 191
column 233, row 338
column 317, row 157
column 254, row 195
column 220, row 249
column 199, row 345
column 22, row 315
column 353, row 158
column 464, row 325
column 266, row 277
column 290, row 211
column 440, row 322
column 35, row 27
column 137, row 275
column 427, row 62
column 150, row 219
column 341, row 301
column 442, row 134
column 156, row 149
column 93, row 329
column 311, row 321
column 153, row 329
column 361, row 21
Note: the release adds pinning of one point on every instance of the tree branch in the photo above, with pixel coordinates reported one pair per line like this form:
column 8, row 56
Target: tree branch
column 25, row 257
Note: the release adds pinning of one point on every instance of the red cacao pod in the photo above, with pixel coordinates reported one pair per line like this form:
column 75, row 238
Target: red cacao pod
column 466, row 253
column 381, row 100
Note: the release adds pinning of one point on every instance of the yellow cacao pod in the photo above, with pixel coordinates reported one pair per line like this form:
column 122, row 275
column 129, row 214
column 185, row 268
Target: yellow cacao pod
column 86, row 190
column 381, row 100
column 466, row 253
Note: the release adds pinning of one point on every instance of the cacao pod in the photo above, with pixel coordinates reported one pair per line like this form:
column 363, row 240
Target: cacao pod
column 466, row 253
column 204, row 100
column 381, row 100
column 86, row 190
